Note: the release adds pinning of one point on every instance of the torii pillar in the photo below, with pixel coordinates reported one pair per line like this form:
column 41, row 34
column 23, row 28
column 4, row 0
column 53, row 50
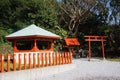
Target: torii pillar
column 95, row 38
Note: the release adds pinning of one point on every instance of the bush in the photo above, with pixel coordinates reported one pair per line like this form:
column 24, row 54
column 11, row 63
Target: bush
column 6, row 48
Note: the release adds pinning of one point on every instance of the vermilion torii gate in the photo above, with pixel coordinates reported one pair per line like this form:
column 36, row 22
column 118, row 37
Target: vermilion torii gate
column 95, row 38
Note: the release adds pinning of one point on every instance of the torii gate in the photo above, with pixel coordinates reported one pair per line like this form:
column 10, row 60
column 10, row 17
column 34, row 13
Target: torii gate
column 95, row 38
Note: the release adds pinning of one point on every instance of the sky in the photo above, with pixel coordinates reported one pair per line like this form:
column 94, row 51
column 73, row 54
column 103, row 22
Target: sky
column 59, row 0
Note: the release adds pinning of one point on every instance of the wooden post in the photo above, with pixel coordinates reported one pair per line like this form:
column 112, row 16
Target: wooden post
column 50, row 61
column 103, row 54
column 14, row 62
column 67, row 57
column 2, row 62
column 43, row 60
column 34, row 60
column 38, row 60
column 89, row 49
column 62, row 57
column 65, row 53
column 24, row 61
column 20, row 66
column 8, row 62
column 46, row 59
column 70, row 57
column 57, row 58
column 53, row 58
column 30, row 66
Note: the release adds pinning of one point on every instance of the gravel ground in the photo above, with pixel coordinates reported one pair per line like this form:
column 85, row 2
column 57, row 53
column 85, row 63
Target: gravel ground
column 89, row 70
column 80, row 69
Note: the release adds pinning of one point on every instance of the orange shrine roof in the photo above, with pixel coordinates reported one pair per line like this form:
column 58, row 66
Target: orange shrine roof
column 72, row 42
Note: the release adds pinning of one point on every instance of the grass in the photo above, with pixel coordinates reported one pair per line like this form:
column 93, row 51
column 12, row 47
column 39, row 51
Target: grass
column 114, row 59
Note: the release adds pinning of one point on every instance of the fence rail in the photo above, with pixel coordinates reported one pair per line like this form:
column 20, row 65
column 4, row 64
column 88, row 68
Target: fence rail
column 8, row 61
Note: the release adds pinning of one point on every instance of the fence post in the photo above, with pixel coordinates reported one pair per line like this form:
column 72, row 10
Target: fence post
column 63, row 58
column 20, row 62
column 34, row 60
column 53, row 58
column 46, row 55
column 2, row 62
column 70, row 57
column 38, row 60
column 30, row 61
column 60, row 58
column 43, row 60
column 66, row 57
column 8, row 62
column 50, row 62
column 14, row 62
column 57, row 58
column 24, row 61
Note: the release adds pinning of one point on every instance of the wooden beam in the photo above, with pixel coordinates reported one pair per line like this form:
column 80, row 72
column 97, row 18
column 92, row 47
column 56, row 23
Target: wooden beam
column 95, row 40
column 89, row 49
column 95, row 36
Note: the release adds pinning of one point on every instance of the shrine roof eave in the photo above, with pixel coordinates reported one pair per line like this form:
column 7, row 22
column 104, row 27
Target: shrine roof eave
column 32, row 37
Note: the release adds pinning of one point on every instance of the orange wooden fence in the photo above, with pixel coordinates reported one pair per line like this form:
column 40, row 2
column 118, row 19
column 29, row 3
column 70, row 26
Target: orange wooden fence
column 8, row 62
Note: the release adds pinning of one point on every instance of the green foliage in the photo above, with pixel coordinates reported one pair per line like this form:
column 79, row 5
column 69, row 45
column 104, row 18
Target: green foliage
column 115, row 12
column 62, row 33
column 92, row 20
column 17, row 14
column 5, row 49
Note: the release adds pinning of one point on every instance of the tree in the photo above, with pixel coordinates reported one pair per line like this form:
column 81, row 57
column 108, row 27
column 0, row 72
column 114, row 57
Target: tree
column 17, row 14
column 115, row 12
column 75, row 12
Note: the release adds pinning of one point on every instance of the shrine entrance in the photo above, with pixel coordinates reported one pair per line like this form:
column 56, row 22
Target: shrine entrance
column 90, row 39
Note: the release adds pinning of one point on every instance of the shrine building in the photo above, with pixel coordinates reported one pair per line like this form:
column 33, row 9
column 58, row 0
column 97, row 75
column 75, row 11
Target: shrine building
column 32, row 39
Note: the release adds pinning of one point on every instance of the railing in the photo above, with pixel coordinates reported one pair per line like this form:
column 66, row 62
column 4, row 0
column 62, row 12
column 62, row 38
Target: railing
column 8, row 61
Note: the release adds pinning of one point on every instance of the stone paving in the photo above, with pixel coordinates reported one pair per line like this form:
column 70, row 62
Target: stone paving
column 80, row 69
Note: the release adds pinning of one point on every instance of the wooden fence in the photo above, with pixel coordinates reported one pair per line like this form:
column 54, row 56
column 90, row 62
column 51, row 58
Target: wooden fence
column 8, row 61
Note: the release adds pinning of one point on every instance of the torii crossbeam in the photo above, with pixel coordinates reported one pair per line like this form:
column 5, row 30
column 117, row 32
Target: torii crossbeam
column 95, row 38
